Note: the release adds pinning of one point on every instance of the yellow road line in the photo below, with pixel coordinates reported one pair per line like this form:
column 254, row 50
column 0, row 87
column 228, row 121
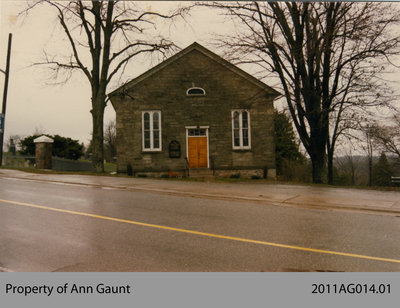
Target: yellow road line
column 345, row 254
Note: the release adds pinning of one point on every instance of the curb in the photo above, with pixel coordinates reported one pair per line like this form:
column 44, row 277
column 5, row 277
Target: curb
column 368, row 210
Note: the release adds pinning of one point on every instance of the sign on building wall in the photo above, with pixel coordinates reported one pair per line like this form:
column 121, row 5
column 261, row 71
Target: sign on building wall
column 174, row 149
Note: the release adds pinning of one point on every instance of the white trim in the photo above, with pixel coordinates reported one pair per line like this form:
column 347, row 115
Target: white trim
column 208, row 142
column 241, row 146
column 43, row 139
column 207, row 126
column 187, row 146
column 195, row 88
column 152, row 149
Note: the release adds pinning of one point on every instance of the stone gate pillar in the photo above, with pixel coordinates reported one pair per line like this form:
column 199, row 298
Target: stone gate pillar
column 43, row 149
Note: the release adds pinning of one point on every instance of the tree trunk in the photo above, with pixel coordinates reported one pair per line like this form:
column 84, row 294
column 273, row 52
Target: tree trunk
column 318, row 164
column 317, row 149
column 370, row 171
column 317, row 153
column 330, row 167
column 97, row 138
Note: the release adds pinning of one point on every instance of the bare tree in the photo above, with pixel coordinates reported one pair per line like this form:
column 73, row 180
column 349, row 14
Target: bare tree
column 388, row 136
column 13, row 143
column 103, row 36
column 347, row 165
column 369, row 147
column 110, row 141
column 328, row 57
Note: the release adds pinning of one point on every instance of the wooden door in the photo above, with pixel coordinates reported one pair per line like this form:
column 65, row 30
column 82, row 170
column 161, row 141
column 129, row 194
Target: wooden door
column 198, row 154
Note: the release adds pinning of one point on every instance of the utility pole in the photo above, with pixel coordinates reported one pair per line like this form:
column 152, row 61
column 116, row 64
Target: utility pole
column 3, row 111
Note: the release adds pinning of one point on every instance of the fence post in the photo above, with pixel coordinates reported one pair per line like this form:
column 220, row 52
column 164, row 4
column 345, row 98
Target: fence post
column 43, row 150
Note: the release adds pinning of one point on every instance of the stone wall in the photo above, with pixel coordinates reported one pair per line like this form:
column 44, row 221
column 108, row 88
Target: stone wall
column 43, row 155
column 166, row 91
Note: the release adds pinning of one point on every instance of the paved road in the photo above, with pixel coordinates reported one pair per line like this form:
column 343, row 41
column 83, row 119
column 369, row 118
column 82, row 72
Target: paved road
column 47, row 226
column 384, row 202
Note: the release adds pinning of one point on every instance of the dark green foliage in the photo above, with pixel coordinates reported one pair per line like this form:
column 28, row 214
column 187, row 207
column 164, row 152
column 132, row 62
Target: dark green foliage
column 235, row 175
column 28, row 146
column 381, row 172
column 67, row 147
column 296, row 171
column 62, row 147
column 286, row 148
column 255, row 177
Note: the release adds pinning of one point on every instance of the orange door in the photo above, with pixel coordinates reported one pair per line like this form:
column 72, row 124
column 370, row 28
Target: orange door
column 197, row 148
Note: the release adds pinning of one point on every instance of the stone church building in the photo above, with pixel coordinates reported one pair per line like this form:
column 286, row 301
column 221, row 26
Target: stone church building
column 195, row 112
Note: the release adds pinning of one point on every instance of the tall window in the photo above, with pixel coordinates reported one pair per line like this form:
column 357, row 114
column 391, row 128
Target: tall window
column 241, row 129
column 151, row 128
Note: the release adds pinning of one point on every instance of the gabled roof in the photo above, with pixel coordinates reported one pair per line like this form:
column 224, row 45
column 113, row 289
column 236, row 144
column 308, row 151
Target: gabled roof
column 204, row 51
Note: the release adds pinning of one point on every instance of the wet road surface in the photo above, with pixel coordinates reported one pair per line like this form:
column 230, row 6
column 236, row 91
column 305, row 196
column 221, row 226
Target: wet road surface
column 107, row 229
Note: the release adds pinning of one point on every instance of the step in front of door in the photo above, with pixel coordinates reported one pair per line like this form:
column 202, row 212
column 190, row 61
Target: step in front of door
column 196, row 173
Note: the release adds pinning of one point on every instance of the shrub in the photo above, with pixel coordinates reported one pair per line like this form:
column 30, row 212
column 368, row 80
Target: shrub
column 295, row 171
column 62, row 147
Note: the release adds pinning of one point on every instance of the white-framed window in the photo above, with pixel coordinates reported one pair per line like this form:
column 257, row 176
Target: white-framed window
column 151, row 130
column 241, row 138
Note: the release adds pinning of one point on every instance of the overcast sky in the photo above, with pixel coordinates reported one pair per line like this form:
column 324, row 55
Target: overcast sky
column 33, row 105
